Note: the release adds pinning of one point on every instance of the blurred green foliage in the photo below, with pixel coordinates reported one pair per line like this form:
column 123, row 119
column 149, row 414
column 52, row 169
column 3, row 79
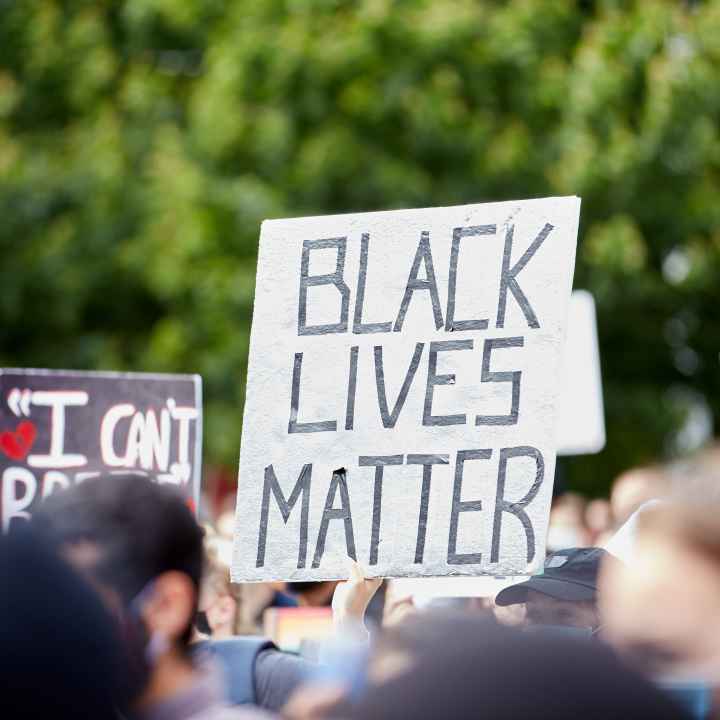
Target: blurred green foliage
column 142, row 142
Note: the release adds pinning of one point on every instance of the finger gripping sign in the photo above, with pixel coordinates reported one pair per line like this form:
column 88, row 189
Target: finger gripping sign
column 60, row 427
column 402, row 389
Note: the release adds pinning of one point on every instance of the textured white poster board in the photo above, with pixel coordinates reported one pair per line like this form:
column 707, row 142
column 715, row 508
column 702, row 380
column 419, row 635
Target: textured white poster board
column 581, row 419
column 402, row 389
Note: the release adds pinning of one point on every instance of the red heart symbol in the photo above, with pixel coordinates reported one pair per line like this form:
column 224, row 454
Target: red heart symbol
column 16, row 444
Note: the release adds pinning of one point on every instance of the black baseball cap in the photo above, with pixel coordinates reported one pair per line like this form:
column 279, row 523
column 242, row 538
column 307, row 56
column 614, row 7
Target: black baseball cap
column 569, row 574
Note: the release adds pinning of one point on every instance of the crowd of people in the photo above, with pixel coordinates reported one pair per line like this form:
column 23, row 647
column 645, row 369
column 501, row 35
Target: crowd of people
column 117, row 603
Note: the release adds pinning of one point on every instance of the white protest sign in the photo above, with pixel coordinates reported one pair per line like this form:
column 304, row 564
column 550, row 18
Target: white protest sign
column 581, row 419
column 402, row 387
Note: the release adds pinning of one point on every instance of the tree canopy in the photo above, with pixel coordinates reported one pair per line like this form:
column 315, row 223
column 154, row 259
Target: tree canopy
column 142, row 142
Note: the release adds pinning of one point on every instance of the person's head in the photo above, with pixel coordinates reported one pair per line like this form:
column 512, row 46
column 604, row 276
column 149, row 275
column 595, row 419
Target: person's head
column 567, row 522
column 542, row 609
column 60, row 655
column 598, row 517
column 663, row 608
column 313, row 594
column 565, row 594
column 634, row 487
column 221, row 603
column 464, row 667
column 139, row 545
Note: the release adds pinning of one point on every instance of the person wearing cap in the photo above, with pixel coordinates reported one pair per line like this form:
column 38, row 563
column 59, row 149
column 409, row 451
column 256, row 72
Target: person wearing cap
column 565, row 593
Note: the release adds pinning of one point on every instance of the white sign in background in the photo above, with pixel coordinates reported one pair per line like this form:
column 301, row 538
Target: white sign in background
column 402, row 389
column 581, row 419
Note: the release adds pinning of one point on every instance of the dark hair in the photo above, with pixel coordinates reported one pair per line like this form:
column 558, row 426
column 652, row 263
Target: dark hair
column 298, row 588
column 60, row 655
column 140, row 528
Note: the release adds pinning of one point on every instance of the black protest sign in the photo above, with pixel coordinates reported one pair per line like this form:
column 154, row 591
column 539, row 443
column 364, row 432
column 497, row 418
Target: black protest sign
column 60, row 427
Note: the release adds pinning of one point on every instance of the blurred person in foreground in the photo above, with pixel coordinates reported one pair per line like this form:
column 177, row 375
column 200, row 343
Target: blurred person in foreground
column 465, row 667
column 140, row 547
column 565, row 594
column 59, row 650
column 634, row 487
column 461, row 666
column 663, row 609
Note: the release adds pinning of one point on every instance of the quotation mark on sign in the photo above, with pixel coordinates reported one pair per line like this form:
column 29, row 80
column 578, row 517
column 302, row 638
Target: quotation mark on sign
column 19, row 402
